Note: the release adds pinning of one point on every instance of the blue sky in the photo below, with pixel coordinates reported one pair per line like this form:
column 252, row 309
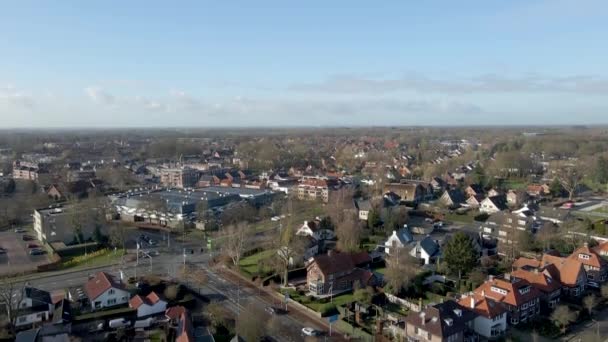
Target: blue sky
column 277, row 63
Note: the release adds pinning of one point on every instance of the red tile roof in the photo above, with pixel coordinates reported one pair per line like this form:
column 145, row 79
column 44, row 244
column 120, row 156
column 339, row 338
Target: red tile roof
column 138, row 300
column 508, row 291
column 99, row 284
column 593, row 259
column 542, row 280
column 482, row 306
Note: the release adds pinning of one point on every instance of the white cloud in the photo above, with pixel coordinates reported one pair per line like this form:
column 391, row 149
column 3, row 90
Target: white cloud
column 13, row 96
column 98, row 95
column 531, row 83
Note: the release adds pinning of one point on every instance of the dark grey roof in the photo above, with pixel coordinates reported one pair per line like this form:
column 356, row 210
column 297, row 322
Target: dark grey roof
column 38, row 296
column 27, row 335
column 404, row 236
column 364, row 205
column 429, row 245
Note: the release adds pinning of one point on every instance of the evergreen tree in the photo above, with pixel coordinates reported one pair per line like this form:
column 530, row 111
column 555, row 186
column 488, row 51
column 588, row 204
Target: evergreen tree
column 601, row 170
column 459, row 254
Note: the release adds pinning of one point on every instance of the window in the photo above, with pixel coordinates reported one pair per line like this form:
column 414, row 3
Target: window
column 514, row 320
column 22, row 319
column 111, row 291
column 112, row 301
column 583, row 256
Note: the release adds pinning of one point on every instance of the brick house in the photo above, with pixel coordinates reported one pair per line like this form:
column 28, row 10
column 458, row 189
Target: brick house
column 518, row 296
column 446, row 321
column 334, row 273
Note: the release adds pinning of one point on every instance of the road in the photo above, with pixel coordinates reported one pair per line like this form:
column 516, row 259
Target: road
column 236, row 295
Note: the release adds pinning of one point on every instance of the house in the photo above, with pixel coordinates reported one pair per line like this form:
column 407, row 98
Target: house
column 602, row 249
column 452, row 198
column 438, row 184
column 491, row 205
column 446, row 322
column 595, row 266
column 363, row 208
column 518, row 296
column 538, row 190
column 179, row 317
column 308, row 246
column 515, row 198
column 334, row 273
column 495, row 192
column 103, row 291
column 491, row 317
column 399, row 239
column 473, row 190
column 475, row 201
column 313, row 229
column 408, row 192
column 148, row 305
column 504, row 226
column 426, row 249
column 46, row 333
column 549, row 287
column 569, row 273
column 36, row 306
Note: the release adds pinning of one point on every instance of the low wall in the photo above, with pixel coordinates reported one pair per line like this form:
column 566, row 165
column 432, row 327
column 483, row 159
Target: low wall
column 403, row 302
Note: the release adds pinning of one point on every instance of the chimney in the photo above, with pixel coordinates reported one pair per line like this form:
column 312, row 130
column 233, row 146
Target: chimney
column 586, row 244
column 483, row 293
column 394, row 232
column 507, row 276
column 422, row 318
column 472, row 302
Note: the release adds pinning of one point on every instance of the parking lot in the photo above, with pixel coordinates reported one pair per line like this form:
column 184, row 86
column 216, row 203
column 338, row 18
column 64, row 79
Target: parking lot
column 16, row 258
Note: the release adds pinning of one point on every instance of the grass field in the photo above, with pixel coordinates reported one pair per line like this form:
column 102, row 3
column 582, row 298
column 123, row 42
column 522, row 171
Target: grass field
column 250, row 264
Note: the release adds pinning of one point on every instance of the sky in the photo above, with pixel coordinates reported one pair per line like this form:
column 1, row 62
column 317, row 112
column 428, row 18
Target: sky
column 307, row 63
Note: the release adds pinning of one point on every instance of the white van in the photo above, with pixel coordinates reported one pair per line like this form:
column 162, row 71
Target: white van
column 119, row 323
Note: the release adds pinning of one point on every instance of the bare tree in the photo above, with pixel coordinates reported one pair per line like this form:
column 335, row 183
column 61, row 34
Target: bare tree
column 563, row 316
column 118, row 236
column 349, row 233
column 570, row 178
column 11, row 295
column 590, row 302
column 290, row 250
column 250, row 329
column 236, row 238
column 401, row 268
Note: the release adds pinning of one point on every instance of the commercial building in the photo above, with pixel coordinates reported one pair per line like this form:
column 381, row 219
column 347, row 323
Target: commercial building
column 179, row 177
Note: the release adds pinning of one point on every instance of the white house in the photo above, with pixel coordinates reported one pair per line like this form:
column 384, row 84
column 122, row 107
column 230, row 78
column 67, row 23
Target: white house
column 426, row 249
column 104, row 291
column 313, row 228
column 363, row 207
column 491, row 320
column 398, row 239
column 148, row 305
column 491, row 205
column 36, row 306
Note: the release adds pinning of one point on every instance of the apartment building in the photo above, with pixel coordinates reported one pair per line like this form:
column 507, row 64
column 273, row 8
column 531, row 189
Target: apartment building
column 179, row 177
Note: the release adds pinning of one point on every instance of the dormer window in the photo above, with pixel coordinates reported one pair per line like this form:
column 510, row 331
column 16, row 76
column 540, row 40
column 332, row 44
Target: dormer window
column 498, row 290
column 524, row 290
column 583, row 256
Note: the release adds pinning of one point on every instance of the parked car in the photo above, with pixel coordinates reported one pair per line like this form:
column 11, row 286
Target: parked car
column 271, row 310
column 188, row 251
column 32, row 245
column 310, row 332
column 154, row 253
column 119, row 323
column 27, row 238
column 2, row 250
column 20, row 230
column 275, row 218
column 37, row 251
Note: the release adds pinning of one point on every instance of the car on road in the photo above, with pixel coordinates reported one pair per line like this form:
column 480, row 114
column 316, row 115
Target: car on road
column 275, row 218
column 152, row 242
column 32, row 245
column 154, row 253
column 2, row 250
column 310, row 332
column 27, row 238
column 37, row 251
column 271, row 310
column 20, row 230
column 188, row 251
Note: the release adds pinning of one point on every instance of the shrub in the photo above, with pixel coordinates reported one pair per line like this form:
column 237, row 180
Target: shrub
column 327, row 309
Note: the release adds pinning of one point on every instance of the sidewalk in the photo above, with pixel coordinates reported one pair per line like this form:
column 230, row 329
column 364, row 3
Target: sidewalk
column 294, row 311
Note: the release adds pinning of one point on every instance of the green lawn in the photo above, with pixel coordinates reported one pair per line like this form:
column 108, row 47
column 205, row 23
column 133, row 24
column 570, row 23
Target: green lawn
column 515, row 184
column 250, row 264
column 464, row 218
